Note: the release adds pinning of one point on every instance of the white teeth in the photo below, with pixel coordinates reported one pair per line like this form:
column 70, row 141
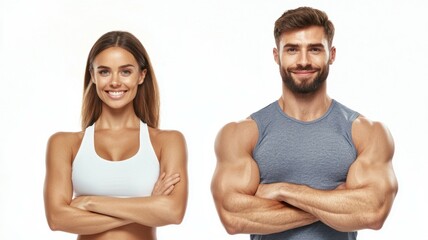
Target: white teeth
column 115, row 93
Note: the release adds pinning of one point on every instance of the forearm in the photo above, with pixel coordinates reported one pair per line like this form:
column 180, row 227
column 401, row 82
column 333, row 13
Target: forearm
column 341, row 209
column 242, row 213
column 74, row 220
column 151, row 211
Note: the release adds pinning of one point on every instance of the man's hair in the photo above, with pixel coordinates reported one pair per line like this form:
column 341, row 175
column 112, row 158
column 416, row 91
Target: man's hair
column 303, row 17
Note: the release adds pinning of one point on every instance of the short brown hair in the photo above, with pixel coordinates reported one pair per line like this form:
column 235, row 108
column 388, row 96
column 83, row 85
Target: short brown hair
column 146, row 102
column 303, row 17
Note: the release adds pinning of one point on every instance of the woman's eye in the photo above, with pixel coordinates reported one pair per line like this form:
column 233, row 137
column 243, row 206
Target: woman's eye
column 126, row 72
column 103, row 73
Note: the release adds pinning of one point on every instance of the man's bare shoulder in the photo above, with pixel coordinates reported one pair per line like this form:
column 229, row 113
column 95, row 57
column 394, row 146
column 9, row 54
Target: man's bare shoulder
column 363, row 126
column 242, row 134
column 369, row 134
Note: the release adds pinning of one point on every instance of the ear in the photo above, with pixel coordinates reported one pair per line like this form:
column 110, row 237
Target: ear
column 276, row 55
column 92, row 77
column 142, row 76
column 332, row 55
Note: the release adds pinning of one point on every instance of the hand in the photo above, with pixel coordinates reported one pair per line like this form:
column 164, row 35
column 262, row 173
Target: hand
column 268, row 191
column 80, row 202
column 341, row 186
column 164, row 185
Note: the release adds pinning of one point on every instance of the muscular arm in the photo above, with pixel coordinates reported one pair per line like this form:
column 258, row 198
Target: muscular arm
column 367, row 196
column 156, row 210
column 235, row 182
column 58, row 192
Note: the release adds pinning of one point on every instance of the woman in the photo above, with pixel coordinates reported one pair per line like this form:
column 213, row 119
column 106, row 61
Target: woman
column 121, row 177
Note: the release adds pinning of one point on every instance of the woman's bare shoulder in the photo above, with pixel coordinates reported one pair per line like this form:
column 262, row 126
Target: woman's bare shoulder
column 66, row 140
column 162, row 136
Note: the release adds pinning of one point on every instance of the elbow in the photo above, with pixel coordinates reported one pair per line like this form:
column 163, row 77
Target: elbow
column 174, row 214
column 53, row 226
column 232, row 227
column 376, row 219
column 177, row 217
column 229, row 219
column 53, row 223
column 376, row 222
column 232, row 230
column 376, row 226
column 58, row 221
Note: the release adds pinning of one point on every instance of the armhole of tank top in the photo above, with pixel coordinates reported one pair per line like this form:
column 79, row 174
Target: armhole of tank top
column 83, row 145
column 352, row 118
column 145, row 141
column 258, row 133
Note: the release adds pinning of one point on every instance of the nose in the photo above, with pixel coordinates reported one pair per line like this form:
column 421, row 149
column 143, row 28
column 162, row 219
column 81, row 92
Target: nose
column 115, row 81
column 304, row 59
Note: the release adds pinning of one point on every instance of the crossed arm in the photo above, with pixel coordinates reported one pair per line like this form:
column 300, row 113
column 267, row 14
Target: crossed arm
column 94, row 214
column 235, row 183
column 364, row 201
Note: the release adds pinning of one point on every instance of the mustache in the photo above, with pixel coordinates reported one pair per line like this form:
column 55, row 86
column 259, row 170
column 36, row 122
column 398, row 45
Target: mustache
column 303, row 68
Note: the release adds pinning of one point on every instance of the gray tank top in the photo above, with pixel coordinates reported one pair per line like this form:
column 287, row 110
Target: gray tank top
column 316, row 153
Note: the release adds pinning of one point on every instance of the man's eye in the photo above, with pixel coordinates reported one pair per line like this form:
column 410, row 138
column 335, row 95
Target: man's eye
column 316, row 50
column 291, row 50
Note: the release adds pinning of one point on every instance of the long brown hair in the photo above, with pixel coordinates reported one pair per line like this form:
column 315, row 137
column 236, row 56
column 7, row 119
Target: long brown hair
column 303, row 17
column 146, row 102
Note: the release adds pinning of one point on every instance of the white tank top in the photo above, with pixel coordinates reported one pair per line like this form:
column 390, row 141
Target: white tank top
column 132, row 177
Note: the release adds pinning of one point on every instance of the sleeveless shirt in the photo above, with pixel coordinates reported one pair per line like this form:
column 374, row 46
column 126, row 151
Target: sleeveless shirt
column 132, row 177
column 316, row 153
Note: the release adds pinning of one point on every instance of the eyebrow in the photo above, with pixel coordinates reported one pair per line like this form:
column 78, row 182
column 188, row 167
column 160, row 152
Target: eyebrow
column 316, row 45
column 123, row 66
column 293, row 45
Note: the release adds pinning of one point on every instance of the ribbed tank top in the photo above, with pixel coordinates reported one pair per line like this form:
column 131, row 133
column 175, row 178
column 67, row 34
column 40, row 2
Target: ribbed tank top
column 132, row 177
column 316, row 153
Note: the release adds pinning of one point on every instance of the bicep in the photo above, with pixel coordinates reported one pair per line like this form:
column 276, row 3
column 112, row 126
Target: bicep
column 236, row 171
column 58, row 187
column 173, row 159
column 373, row 167
column 238, row 175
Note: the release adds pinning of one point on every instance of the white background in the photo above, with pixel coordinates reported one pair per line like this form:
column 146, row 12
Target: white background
column 214, row 64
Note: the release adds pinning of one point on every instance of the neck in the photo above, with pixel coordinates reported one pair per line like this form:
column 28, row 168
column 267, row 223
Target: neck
column 115, row 119
column 305, row 107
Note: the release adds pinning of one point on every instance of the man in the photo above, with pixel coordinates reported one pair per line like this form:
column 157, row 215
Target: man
column 305, row 166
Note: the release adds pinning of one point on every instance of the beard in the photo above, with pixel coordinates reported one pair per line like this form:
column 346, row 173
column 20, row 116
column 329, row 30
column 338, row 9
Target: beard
column 307, row 86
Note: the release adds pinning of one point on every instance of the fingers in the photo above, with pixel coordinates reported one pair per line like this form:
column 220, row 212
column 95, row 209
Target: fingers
column 341, row 186
column 169, row 190
column 159, row 181
column 79, row 202
column 162, row 176
column 171, row 180
column 165, row 184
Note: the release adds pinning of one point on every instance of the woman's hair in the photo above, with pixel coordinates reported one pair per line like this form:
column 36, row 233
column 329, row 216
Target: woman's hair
column 146, row 101
column 303, row 17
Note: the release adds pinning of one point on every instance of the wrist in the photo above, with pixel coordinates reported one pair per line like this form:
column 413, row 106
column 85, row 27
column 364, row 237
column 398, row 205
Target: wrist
column 282, row 192
column 89, row 203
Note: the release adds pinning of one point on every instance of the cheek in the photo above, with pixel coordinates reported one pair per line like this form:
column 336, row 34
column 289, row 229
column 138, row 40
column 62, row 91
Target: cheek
column 101, row 81
column 287, row 63
column 131, row 82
